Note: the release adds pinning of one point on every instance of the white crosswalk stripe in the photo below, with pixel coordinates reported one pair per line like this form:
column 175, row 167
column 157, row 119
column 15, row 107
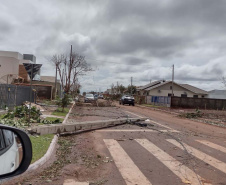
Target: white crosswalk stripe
column 213, row 145
column 200, row 155
column 129, row 171
column 133, row 175
column 184, row 173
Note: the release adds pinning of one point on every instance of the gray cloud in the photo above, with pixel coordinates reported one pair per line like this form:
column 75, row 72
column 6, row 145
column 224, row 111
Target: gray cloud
column 123, row 38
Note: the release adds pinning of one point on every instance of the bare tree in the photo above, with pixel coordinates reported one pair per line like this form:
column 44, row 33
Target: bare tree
column 69, row 68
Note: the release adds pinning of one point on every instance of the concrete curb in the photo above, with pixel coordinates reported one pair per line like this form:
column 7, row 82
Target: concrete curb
column 46, row 157
column 80, row 126
column 65, row 119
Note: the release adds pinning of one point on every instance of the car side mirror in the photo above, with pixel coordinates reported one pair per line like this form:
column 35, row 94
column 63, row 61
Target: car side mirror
column 15, row 151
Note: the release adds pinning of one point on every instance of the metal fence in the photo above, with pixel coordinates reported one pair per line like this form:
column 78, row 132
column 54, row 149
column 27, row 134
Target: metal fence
column 159, row 100
column 14, row 95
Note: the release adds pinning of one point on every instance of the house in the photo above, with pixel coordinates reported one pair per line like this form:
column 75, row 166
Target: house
column 165, row 88
column 11, row 66
column 141, row 90
column 217, row 94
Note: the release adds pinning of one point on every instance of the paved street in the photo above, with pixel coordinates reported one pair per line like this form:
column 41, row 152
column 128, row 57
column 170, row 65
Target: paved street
column 170, row 150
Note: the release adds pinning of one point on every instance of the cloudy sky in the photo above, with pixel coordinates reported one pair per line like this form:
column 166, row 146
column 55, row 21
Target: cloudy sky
column 123, row 38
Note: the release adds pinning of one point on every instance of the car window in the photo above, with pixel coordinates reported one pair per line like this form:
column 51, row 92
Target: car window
column 8, row 135
column 2, row 145
column 89, row 95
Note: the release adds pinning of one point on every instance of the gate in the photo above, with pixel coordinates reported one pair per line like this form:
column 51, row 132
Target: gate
column 13, row 95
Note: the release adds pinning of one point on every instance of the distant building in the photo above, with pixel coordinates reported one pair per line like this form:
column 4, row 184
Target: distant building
column 217, row 94
column 164, row 88
column 11, row 66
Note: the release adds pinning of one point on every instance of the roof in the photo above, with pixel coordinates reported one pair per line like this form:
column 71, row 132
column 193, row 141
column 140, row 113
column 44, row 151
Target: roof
column 216, row 90
column 193, row 89
column 185, row 86
column 157, row 85
column 149, row 85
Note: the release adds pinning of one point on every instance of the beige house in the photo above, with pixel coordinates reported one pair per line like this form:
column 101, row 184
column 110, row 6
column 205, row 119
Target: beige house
column 165, row 88
column 11, row 66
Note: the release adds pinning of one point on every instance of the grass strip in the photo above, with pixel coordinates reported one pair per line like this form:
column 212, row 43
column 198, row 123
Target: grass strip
column 59, row 112
column 149, row 105
column 40, row 145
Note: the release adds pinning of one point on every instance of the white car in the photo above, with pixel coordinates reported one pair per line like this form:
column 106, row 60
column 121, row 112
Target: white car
column 89, row 98
column 9, row 152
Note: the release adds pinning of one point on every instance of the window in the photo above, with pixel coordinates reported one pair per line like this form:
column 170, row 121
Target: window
column 170, row 87
column 203, row 96
column 184, row 95
column 8, row 135
column 169, row 94
column 2, row 145
column 195, row 96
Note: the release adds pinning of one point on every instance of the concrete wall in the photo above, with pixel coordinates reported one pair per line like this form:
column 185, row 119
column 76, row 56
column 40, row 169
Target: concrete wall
column 12, row 54
column 204, row 103
column 9, row 65
column 164, row 90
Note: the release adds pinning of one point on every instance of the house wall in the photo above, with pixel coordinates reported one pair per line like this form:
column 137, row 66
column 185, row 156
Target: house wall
column 12, row 54
column 9, row 65
column 165, row 90
column 217, row 94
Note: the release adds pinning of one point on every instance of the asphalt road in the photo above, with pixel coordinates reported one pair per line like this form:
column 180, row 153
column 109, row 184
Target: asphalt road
column 169, row 151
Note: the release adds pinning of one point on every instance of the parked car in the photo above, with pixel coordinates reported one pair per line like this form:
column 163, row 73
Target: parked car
column 101, row 96
column 127, row 99
column 89, row 98
column 96, row 96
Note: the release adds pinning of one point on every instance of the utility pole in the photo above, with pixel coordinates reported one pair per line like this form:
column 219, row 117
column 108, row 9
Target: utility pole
column 131, row 85
column 172, row 78
column 117, row 88
column 32, row 68
column 56, row 81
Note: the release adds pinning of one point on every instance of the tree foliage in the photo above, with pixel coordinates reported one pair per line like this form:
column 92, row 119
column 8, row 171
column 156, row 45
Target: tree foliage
column 69, row 68
column 132, row 89
column 64, row 102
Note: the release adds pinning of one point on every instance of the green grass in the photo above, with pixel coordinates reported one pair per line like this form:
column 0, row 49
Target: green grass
column 54, row 119
column 1, row 116
column 40, row 145
column 58, row 112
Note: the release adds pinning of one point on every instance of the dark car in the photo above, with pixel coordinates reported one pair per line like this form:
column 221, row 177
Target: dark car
column 100, row 96
column 127, row 99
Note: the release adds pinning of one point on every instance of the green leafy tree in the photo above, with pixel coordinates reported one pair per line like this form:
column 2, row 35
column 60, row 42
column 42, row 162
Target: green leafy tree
column 64, row 102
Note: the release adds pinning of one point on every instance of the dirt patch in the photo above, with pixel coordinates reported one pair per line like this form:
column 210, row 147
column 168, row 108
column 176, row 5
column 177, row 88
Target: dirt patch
column 81, row 113
column 213, row 117
column 77, row 158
